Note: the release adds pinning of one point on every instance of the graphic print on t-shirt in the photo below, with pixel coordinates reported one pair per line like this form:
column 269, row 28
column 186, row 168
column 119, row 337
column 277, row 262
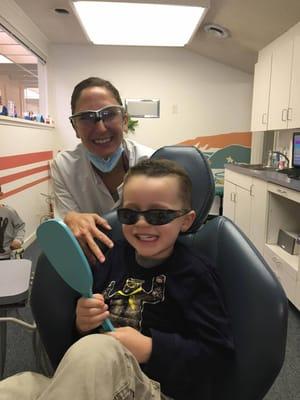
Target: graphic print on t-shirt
column 3, row 225
column 126, row 305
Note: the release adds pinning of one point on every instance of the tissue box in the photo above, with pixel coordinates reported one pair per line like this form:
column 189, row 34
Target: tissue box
column 288, row 241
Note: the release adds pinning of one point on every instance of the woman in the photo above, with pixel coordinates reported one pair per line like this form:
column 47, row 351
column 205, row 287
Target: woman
column 88, row 180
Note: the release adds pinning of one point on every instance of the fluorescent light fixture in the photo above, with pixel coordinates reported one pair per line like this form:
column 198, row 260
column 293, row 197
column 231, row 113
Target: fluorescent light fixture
column 138, row 24
column 4, row 60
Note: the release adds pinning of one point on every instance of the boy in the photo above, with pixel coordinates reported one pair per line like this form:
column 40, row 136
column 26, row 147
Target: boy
column 12, row 230
column 167, row 300
column 165, row 303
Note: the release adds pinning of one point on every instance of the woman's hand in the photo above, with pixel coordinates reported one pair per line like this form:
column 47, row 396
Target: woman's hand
column 139, row 345
column 90, row 313
column 83, row 226
column 15, row 244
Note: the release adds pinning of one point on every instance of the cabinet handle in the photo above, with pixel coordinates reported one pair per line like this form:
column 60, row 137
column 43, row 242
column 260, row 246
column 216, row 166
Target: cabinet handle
column 281, row 191
column 278, row 263
column 232, row 197
column 290, row 114
column 264, row 119
column 251, row 190
column 284, row 114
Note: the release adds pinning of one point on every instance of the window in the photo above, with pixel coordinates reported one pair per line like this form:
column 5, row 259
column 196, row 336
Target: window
column 20, row 70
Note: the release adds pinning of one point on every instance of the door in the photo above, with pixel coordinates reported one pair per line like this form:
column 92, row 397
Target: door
column 229, row 200
column 294, row 105
column 258, row 228
column 280, row 83
column 243, row 210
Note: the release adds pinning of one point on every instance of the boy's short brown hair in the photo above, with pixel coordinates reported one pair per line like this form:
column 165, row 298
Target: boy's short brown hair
column 162, row 168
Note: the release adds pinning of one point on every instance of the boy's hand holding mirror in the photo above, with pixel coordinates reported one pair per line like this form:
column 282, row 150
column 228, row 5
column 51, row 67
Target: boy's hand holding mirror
column 66, row 256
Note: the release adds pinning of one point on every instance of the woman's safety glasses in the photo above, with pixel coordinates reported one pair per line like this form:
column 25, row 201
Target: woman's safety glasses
column 153, row 217
column 109, row 115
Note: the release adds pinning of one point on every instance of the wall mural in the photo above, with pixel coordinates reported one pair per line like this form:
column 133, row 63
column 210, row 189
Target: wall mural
column 233, row 147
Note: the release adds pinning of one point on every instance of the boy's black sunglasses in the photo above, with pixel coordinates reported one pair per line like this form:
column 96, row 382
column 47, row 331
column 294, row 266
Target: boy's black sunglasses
column 153, row 217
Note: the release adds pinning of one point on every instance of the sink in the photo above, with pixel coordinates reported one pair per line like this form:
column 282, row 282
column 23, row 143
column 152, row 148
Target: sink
column 257, row 167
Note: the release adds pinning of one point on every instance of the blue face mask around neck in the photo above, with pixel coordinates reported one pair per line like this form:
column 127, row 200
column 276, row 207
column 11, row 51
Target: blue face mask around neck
column 105, row 165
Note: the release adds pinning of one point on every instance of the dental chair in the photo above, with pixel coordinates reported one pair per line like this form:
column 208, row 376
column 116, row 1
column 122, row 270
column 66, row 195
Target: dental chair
column 255, row 299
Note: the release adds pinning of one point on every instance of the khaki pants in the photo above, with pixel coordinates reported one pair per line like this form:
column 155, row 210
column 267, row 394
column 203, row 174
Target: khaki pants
column 97, row 367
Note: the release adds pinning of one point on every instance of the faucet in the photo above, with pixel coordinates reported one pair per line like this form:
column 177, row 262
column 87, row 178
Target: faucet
column 275, row 163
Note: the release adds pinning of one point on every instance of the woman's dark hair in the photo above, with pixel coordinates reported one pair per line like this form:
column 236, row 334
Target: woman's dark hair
column 91, row 82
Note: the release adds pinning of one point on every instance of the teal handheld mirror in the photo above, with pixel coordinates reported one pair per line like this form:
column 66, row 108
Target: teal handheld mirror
column 67, row 257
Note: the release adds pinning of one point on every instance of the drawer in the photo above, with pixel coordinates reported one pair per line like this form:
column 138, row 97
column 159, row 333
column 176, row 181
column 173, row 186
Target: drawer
column 285, row 273
column 284, row 192
column 276, row 254
column 241, row 180
column 272, row 261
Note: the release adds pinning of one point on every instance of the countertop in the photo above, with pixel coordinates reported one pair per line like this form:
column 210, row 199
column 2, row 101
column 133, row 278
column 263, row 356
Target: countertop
column 265, row 175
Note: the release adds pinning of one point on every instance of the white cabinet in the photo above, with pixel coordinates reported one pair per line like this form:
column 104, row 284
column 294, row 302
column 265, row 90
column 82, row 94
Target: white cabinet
column 258, row 214
column 261, row 92
column 244, row 203
column 283, row 213
column 286, row 272
column 229, row 199
column 294, row 104
column 276, row 100
column 280, row 83
column 260, row 209
column 237, row 201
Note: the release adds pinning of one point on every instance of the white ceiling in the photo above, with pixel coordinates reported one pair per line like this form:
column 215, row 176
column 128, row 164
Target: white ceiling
column 252, row 25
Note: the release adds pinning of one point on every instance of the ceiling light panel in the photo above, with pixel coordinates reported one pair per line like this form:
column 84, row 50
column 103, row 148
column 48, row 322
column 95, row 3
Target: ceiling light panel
column 138, row 24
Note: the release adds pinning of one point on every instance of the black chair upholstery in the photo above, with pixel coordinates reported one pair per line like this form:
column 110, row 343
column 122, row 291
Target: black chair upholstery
column 257, row 305
column 53, row 305
column 256, row 301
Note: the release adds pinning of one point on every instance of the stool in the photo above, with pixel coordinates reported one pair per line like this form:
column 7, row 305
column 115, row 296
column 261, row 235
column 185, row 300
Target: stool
column 14, row 292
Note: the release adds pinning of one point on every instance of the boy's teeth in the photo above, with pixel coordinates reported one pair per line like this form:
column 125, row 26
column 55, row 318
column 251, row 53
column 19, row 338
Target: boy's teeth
column 102, row 141
column 147, row 237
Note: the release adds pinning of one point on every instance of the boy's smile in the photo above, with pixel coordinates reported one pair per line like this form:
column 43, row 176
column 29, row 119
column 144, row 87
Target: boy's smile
column 143, row 193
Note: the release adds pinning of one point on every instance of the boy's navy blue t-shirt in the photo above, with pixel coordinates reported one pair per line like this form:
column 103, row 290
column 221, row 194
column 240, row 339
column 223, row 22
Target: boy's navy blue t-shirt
column 178, row 303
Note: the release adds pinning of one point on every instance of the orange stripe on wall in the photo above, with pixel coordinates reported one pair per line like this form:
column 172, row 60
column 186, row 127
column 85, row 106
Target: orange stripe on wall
column 19, row 175
column 220, row 141
column 28, row 185
column 23, row 159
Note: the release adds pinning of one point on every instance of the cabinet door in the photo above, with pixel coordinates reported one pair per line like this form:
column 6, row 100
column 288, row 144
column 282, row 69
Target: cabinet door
column 258, row 223
column 243, row 210
column 261, row 92
column 280, row 83
column 229, row 200
column 294, row 105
